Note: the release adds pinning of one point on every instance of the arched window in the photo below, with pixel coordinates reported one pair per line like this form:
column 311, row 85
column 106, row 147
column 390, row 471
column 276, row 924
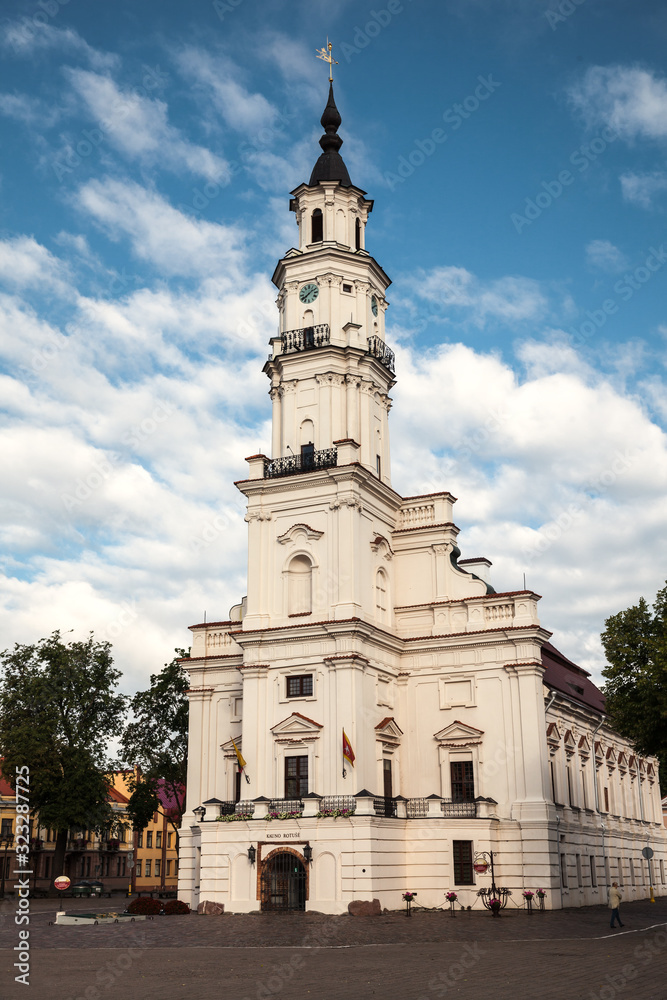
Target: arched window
column 357, row 235
column 341, row 226
column 381, row 595
column 300, row 586
column 317, row 226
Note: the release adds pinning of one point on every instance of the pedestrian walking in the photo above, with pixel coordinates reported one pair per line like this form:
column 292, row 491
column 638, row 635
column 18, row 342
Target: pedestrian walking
column 615, row 898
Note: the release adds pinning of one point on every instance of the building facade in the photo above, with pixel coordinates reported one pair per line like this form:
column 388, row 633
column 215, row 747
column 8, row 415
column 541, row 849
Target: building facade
column 154, row 865
column 470, row 733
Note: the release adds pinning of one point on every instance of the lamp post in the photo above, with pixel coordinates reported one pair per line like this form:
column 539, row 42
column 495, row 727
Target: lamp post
column 6, row 841
column 481, row 863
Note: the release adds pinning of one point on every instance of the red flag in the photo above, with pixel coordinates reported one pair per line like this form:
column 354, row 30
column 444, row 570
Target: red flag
column 348, row 752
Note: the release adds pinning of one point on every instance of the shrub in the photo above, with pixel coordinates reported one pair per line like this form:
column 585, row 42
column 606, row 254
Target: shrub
column 176, row 906
column 144, row 906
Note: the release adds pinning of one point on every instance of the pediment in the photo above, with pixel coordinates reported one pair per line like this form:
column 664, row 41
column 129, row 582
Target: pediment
column 228, row 747
column 297, row 727
column 299, row 533
column 389, row 727
column 381, row 545
column 459, row 734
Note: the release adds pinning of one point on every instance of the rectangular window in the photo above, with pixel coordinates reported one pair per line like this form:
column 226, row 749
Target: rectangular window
column 138, row 867
column 569, row 787
column 463, row 874
column 632, row 871
column 606, row 800
column 553, row 780
column 123, row 868
column 6, row 828
column 300, row 686
column 378, row 466
column 594, row 880
column 619, row 869
column 584, row 796
column 158, row 838
column 168, row 873
column 347, row 288
column 47, row 866
column 140, row 839
column 148, row 869
column 662, row 871
column 170, row 835
column 563, row 871
column 296, row 777
column 149, row 838
column 157, row 869
column 117, row 866
column 88, row 866
column 463, row 782
column 106, row 867
column 580, row 880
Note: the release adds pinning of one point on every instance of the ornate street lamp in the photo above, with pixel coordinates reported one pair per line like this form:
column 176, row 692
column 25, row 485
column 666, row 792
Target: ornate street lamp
column 252, row 854
column 199, row 813
column 308, row 854
column 499, row 896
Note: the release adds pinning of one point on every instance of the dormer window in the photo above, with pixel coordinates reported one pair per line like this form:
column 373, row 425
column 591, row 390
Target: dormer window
column 317, row 226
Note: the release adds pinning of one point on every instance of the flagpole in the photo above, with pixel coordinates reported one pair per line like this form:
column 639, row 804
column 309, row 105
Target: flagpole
column 343, row 751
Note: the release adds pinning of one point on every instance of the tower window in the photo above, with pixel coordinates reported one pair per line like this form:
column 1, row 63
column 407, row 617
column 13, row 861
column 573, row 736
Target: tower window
column 381, row 595
column 300, row 686
column 317, row 226
column 347, row 288
column 357, row 235
column 300, row 586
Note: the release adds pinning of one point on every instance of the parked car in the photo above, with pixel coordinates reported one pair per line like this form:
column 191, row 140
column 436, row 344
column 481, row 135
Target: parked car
column 87, row 887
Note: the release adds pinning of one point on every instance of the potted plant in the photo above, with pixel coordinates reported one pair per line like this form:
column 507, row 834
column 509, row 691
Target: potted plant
column 494, row 906
column 408, row 897
column 541, row 896
column 451, row 898
column 528, row 896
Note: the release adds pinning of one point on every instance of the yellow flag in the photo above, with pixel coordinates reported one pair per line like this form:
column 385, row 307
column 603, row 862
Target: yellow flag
column 239, row 755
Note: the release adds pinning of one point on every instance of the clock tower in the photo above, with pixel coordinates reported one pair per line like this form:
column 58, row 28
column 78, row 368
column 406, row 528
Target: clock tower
column 330, row 368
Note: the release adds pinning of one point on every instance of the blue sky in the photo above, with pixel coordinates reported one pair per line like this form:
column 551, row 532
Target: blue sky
column 517, row 155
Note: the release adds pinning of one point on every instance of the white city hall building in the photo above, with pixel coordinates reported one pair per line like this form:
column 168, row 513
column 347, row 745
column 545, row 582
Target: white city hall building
column 471, row 733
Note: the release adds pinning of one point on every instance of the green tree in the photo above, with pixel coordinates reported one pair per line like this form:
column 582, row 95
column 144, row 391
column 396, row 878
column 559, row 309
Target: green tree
column 635, row 642
column 157, row 741
column 58, row 710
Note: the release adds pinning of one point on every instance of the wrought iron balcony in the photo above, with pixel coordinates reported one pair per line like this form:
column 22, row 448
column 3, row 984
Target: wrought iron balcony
column 378, row 349
column 458, row 810
column 292, row 465
column 306, row 339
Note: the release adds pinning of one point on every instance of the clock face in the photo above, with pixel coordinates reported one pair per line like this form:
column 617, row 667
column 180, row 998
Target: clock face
column 374, row 305
column 309, row 293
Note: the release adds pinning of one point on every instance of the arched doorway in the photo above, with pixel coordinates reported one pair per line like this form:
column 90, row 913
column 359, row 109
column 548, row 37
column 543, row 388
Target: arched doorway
column 283, row 882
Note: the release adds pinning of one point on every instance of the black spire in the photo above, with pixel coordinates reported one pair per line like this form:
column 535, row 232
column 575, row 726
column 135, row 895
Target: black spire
column 330, row 166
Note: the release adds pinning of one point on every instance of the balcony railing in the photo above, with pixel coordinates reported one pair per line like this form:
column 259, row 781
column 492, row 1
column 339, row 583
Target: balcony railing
column 77, row 845
column 340, row 803
column 378, row 349
column 458, row 810
column 286, row 806
column 384, row 806
column 307, row 339
column 292, row 465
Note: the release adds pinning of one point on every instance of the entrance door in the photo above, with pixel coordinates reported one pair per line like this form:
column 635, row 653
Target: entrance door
column 283, row 883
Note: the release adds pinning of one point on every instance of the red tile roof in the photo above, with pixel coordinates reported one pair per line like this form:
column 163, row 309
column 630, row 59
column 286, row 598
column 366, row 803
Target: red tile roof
column 565, row 676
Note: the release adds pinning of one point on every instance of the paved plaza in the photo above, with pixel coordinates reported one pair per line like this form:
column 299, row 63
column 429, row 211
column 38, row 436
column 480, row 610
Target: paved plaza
column 560, row 955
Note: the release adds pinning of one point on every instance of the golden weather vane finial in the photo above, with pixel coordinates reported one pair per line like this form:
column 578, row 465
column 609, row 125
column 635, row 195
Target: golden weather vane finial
column 327, row 56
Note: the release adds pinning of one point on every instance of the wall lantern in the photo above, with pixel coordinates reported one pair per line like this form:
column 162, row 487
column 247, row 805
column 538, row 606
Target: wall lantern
column 308, row 854
column 199, row 813
column 252, row 854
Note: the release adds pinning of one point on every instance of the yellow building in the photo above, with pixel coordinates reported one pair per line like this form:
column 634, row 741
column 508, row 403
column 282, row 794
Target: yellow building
column 155, row 855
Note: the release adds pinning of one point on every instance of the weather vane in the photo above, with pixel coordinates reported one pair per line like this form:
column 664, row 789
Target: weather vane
column 327, row 56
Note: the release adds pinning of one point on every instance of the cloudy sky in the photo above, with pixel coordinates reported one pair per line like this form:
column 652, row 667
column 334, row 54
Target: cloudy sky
column 517, row 154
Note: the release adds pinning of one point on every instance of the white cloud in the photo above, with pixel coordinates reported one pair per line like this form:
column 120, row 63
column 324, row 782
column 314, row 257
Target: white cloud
column 221, row 80
column 174, row 243
column 29, row 36
column 630, row 100
column 139, row 128
column 641, row 189
column 25, row 263
column 603, row 255
column 511, row 299
column 29, row 110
